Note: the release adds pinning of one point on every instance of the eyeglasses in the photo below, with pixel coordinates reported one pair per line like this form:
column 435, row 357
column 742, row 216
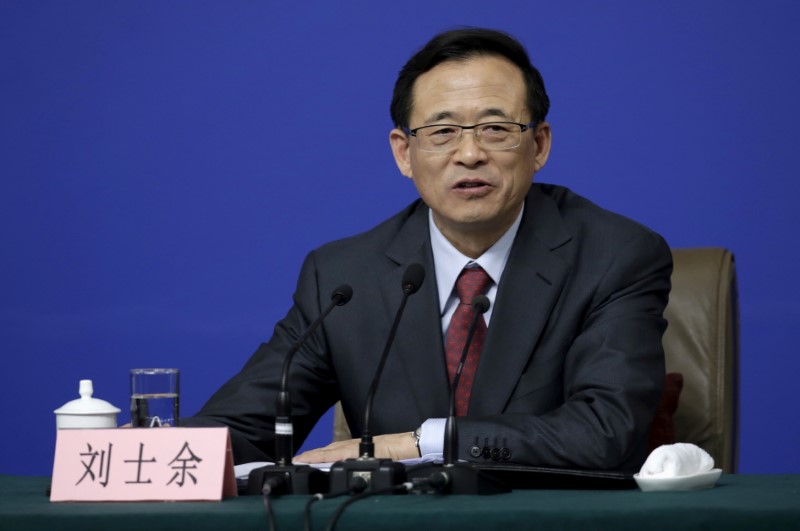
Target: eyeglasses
column 491, row 136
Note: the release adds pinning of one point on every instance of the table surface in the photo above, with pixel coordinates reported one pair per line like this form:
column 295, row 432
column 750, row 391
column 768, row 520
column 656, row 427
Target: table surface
column 748, row 502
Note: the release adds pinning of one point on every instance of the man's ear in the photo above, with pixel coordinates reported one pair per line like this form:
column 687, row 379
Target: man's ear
column 543, row 138
column 400, row 149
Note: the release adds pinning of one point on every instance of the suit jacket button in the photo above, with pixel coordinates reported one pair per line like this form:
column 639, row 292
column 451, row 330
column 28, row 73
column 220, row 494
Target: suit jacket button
column 495, row 454
column 475, row 451
column 505, row 454
column 487, row 452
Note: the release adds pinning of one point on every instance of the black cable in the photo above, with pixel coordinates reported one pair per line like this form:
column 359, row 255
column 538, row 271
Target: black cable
column 340, row 510
column 307, row 512
column 437, row 481
column 269, row 485
column 358, row 485
column 270, row 513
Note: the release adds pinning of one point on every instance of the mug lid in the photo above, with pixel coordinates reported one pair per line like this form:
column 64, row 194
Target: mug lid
column 86, row 405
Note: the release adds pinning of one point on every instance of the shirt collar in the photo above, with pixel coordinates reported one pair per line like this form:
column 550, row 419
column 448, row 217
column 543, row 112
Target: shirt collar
column 449, row 261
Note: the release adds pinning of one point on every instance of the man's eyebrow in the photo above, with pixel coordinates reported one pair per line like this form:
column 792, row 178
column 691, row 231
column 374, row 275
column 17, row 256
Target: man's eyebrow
column 500, row 113
column 447, row 115
column 439, row 117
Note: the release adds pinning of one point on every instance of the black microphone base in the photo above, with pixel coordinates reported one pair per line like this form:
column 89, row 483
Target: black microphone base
column 380, row 474
column 288, row 479
column 462, row 479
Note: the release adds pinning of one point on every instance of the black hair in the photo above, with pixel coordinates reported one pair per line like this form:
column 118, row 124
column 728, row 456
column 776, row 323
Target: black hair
column 460, row 45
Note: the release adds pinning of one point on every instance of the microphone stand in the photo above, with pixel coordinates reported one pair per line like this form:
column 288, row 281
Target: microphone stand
column 284, row 477
column 461, row 478
column 380, row 474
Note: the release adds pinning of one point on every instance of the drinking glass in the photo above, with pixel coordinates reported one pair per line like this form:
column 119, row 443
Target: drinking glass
column 155, row 397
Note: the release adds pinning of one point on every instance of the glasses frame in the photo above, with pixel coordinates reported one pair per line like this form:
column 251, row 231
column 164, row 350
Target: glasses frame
column 461, row 128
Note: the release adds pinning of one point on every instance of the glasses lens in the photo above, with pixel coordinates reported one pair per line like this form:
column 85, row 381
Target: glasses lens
column 499, row 135
column 439, row 137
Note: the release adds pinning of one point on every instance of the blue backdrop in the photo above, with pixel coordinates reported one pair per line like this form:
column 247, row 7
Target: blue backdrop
column 167, row 165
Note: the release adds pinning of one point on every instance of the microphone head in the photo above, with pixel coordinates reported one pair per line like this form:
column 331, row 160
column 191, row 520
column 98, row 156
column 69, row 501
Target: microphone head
column 481, row 304
column 412, row 278
column 343, row 293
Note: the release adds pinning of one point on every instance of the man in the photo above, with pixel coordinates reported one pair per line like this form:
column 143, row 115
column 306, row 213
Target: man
column 571, row 365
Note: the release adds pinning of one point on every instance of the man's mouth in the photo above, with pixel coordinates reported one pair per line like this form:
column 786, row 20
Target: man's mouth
column 470, row 184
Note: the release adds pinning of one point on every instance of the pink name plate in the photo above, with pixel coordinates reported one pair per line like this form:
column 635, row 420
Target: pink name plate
column 141, row 464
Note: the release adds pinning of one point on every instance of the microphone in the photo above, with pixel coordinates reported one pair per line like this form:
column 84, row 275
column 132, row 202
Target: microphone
column 459, row 478
column 284, row 430
column 480, row 305
column 412, row 280
column 295, row 479
column 380, row 473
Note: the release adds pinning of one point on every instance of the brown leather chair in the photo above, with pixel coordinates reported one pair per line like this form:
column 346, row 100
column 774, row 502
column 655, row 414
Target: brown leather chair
column 702, row 345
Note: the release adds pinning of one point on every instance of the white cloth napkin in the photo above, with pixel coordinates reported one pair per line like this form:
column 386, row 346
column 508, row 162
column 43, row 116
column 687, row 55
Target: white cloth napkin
column 675, row 460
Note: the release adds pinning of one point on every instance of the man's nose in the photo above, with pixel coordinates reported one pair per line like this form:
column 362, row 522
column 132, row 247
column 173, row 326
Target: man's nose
column 469, row 151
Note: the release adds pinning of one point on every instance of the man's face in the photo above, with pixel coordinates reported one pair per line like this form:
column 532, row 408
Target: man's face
column 473, row 192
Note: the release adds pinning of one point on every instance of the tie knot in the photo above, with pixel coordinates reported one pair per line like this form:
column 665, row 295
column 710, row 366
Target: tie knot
column 471, row 283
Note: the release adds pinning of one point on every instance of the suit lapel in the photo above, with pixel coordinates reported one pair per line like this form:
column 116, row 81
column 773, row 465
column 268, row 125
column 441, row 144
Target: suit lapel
column 418, row 344
column 528, row 290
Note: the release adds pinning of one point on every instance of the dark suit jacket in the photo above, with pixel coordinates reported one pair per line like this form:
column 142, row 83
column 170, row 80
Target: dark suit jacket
column 571, row 371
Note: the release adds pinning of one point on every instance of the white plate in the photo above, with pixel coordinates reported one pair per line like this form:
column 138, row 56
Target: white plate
column 704, row 480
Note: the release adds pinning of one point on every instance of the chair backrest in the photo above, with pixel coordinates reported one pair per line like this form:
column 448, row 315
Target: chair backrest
column 341, row 431
column 702, row 343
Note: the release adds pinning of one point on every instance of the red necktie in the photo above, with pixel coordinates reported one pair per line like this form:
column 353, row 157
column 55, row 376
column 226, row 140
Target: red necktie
column 470, row 284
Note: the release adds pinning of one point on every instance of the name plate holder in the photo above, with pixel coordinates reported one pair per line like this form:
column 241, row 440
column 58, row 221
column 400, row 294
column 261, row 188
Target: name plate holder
column 138, row 464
